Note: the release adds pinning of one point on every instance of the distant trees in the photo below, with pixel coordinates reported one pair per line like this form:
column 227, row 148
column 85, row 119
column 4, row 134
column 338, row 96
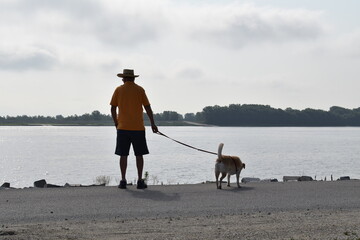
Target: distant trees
column 350, row 117
column 191, row 117
column 264, row 115
column 232, row 115
column 95, row 118
column 168, row 116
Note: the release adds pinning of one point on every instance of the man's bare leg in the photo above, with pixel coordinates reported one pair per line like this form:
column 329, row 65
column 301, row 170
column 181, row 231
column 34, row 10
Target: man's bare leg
column 123, row 166
column 140, row 166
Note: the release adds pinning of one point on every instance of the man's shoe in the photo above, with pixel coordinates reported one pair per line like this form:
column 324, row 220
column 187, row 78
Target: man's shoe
column 141, row 184
column 122, row 184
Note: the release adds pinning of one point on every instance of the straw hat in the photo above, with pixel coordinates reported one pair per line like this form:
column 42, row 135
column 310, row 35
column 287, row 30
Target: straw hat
column 127, row 73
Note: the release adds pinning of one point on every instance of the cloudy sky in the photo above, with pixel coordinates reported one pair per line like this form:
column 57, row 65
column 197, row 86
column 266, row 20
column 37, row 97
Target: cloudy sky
column 62, row 57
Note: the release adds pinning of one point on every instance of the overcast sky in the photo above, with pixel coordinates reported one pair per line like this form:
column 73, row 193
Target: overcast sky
column 62, row 57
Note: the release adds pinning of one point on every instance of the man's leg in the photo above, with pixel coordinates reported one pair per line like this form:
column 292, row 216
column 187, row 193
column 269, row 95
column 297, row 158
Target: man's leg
column 140, row 149
column 140, row 166
column 123, row 166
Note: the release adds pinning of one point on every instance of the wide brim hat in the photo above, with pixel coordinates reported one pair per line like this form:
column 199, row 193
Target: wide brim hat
column 127, row 73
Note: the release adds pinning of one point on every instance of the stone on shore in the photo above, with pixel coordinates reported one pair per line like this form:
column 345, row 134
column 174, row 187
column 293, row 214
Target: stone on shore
column 40, row 183
column 80, row 185
column 248, row 179
column 269, row 180
column 43, row 184
column 344, row 178
column 290, row 178
column 6, row 185
column 305, row 178
column 48, row 185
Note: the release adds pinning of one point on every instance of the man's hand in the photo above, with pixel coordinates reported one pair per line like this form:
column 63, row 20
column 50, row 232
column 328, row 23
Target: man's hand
column 149, row 112
column 114, row 115
column 154, row 128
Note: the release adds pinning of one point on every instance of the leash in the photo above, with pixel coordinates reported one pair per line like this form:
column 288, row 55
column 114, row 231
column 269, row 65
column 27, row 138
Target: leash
column 201, row 150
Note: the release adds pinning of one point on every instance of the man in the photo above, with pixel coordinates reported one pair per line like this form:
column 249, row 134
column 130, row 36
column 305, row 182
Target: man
column 129, row 99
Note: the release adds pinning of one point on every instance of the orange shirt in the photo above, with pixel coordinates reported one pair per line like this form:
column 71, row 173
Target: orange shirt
column 130, row 99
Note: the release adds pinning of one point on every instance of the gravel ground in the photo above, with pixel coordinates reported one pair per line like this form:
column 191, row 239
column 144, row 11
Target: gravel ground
column 318, row 224
column 297, row 210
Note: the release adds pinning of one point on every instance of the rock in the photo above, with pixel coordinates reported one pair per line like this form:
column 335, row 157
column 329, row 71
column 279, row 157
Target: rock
column 269, row 180
column 247, row 179
column 80, row 185
column 40, row 183
column 344, row 178
column 297, row 178
column 51, row 186
column 305, row 178
column 6, row 185
column 43, row 184
column 72, row 185
column 291, row 178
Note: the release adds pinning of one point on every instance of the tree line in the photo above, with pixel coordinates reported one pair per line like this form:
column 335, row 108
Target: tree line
column 95, row 118
column 264, row 115
column 232, row 115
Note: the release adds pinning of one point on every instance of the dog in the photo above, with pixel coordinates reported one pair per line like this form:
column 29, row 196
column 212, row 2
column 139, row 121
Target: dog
column 227, row 165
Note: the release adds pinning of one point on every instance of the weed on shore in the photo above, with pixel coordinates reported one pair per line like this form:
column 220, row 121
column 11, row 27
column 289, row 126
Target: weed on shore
column 351, row 235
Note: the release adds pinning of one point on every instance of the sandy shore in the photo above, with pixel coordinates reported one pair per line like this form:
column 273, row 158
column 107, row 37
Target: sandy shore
column 257, row 211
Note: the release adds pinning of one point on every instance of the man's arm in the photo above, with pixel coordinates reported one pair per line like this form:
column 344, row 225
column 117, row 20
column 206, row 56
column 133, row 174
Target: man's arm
column 149, row 112
column 114, row 115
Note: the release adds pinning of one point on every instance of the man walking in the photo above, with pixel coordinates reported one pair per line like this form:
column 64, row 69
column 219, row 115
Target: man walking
column 127, row 105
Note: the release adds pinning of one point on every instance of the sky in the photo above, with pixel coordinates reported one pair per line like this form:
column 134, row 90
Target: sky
column 62, row 57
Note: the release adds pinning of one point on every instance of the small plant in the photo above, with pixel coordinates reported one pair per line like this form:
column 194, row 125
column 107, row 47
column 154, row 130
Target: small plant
column 351, row 236
column 103, row 180
column 155, row 180
column 146, row 178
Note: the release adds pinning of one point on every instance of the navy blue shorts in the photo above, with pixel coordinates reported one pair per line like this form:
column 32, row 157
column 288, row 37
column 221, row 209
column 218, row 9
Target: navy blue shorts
column 137, row 139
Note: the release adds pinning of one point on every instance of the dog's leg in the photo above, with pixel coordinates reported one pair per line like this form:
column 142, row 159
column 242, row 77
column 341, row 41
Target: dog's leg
column 237, row 179
column 217, row 173
column 223, row 175
column 228, row 177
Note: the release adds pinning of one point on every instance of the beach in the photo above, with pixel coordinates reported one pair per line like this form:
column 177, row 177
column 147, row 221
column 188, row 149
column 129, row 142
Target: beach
column 290, row 210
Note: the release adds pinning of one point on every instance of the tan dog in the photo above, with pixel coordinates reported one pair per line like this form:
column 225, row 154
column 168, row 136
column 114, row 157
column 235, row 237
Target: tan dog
column 229, row 165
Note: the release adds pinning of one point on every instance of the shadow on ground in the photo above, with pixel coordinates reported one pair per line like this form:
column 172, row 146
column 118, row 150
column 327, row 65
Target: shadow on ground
column 154, row 195
column 236, row 189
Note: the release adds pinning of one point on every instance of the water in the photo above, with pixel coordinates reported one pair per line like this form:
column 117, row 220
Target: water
column 78, row 155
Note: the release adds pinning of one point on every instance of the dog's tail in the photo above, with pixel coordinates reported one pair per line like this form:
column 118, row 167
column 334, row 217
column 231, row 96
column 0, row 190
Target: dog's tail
column 221, row 145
